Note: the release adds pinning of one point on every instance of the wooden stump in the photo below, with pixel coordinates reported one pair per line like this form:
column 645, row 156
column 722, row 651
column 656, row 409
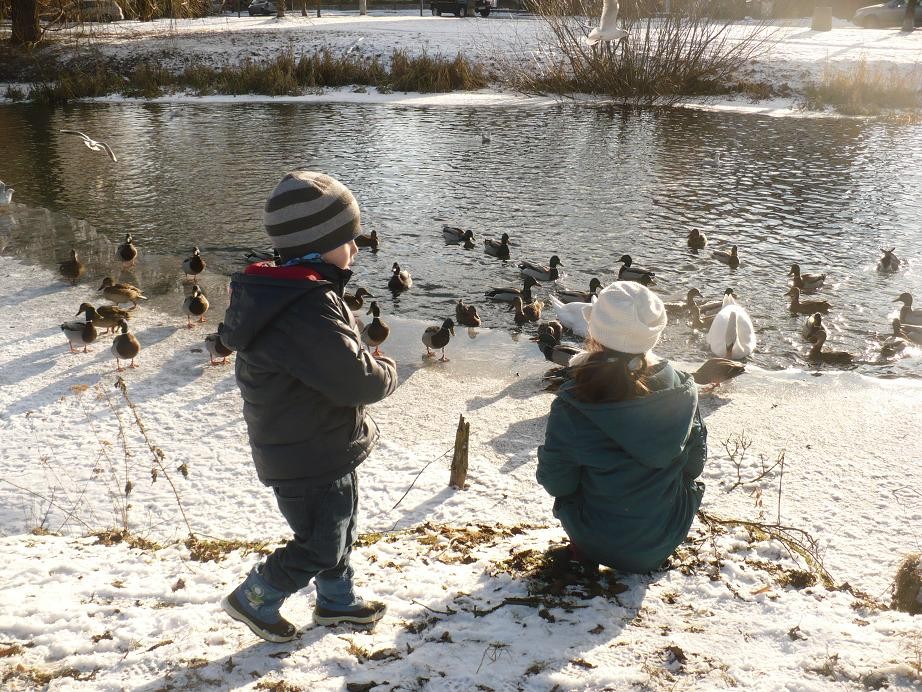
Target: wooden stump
column 459, row 459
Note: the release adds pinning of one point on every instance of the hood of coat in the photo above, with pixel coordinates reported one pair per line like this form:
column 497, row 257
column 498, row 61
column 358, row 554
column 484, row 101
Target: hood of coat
column 260, row 298
column 652, row 429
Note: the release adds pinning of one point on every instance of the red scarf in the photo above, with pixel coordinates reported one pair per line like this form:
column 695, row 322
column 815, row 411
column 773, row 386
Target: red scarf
column 294, row 272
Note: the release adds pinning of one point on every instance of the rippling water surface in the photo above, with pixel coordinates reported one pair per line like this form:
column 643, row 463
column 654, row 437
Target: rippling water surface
column 586, row 183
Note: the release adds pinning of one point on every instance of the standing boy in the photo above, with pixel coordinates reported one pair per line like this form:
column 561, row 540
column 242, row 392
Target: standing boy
column 305, row 381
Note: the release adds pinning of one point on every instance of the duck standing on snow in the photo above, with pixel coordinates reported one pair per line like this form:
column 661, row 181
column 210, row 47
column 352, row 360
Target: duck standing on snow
column 127, row 252
column 540, row 272
column 194, row 264
column 466, row 315
column 817, row 354
column 195, row 305
column 806, row 282
column 79, row 333
column 717, row 370
column 454, row 235
column 121, row 293
column 400, row 279
column 370, row 241
column 438, row 338
column 732, row 334
column 125, row 346
column 566, row 296
column 631, row 272
column 696, row 239
column 527, row 313
column 572, row 315
column 731, row 258
column 507, row 294
column 805, row 307
column 907, row 314
column 216, row 347
column 497, row 248
column 375, row 332
column 72, row 269
column 888, row 262
column 107, row 316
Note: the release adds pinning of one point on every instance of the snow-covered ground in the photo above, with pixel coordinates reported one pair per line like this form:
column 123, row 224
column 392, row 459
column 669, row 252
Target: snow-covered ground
column 736, row 611
column 797, row 54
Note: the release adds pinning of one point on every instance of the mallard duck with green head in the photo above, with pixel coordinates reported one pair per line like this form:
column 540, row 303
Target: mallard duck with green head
column 216, row 347
column 438, row 338
column 79, row 334
column 554, row 351
column 106, row 316
column 454, row 235
column 497, row 248
column 72, row 269
column 375, row 332
column 631, row 272
column 542, row 272
column 400, row 279
column 369, row 240
column 121, row 293
column 127, row 252
column 507, row 294
column 125, row 346
column 195, row 305
column 194, row 264
column 572, row 296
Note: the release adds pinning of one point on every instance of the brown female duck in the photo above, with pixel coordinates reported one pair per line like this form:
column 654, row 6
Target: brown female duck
column 121, row 293
column 72, row 269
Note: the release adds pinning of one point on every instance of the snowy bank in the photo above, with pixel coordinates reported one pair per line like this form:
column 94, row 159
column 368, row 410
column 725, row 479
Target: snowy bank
column 737, row 610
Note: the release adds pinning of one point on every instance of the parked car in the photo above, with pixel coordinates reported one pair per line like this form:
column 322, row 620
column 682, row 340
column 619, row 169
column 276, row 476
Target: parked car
column 85, row 11
column 885, row 15
column 462, row 8
column 266, row 7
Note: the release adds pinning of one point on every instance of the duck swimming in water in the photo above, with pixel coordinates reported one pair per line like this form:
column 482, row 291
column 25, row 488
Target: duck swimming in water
column 731, row 258
column 497, row 248
column 631, row 272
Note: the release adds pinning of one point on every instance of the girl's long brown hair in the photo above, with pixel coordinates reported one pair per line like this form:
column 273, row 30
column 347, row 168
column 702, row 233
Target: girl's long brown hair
column 605, row 376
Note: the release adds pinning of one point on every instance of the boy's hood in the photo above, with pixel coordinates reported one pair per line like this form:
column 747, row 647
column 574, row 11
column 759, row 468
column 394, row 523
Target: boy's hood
column 652, row 429
column 261, row 297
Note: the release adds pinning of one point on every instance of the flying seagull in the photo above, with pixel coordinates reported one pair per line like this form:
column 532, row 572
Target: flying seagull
column 608, row 28
column 92, row 144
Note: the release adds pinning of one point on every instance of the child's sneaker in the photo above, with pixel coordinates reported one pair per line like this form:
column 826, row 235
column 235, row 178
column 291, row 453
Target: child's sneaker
column 256, row 604
column 362, row 613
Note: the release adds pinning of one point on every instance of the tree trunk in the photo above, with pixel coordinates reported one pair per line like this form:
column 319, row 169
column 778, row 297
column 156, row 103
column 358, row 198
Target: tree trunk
column 303, row 8
column 24, row 16
column 909, row 19
column 280, row 8
column 363, row 7
column 459, row 459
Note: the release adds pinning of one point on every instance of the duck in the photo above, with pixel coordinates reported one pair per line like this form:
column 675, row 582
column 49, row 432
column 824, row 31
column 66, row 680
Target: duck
column 107, row 316
column 400, row 279
column 369, row 240
column 251, row 256
column 355, row 301
column 811, row 326
column 540, row 272
column 716, row 370
column 6, row 193
column 527, row 313
column 125, row 346
column 696, row 239
column 895, row 342
column 127, row 252
column 554, row 351
column 907, row 314
column 888, row 262
column 679, row 307
column 375, row 332
column 629, row 272
column 572, row 315
column 508, row 294
column 121, row 293
column 72, row 269
column 805, row 307
column 699, row 321
column 712, row 307
column 567, row 296
column 732, row 334
column 454, row 235
column 817, row 354
column 912, row 332
column 79, row 333
column 438, row 338
column 497, row 248
column 806, row 282
column 552, row 327
column 466, row 315
column 731, row 259
column 216, row 347
column 194, row 264
column 195, row 305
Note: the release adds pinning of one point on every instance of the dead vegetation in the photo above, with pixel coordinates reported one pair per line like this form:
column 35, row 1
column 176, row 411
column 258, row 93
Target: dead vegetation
column 866, row 90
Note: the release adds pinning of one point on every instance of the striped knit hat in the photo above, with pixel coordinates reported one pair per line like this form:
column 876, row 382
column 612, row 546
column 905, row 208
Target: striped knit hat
column 310, row 212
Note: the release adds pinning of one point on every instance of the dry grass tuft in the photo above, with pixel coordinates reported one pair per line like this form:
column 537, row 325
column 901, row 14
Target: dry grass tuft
column 215, row 550
column 907, row 587
column 865, row 90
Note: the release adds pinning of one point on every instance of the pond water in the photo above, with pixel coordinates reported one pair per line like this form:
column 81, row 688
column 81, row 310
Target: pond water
column 586, row 183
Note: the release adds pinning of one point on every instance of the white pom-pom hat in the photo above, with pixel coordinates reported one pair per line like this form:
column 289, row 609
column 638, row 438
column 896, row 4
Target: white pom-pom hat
column 627, row 317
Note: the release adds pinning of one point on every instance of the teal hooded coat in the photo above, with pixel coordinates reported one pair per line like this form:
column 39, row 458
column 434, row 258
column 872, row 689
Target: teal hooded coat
column 623, row 473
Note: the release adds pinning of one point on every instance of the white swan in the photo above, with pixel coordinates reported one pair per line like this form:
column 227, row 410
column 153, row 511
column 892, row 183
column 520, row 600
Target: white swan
column 732, row 334
column 571, row 315
column 608, row 26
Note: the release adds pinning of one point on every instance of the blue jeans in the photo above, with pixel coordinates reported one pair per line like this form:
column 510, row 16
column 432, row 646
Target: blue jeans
column 322, row 518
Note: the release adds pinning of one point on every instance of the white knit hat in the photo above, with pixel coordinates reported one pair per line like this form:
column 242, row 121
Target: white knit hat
column 627, row 317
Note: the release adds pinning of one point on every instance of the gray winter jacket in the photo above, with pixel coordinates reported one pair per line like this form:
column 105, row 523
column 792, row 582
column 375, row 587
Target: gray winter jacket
column 302, row 372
